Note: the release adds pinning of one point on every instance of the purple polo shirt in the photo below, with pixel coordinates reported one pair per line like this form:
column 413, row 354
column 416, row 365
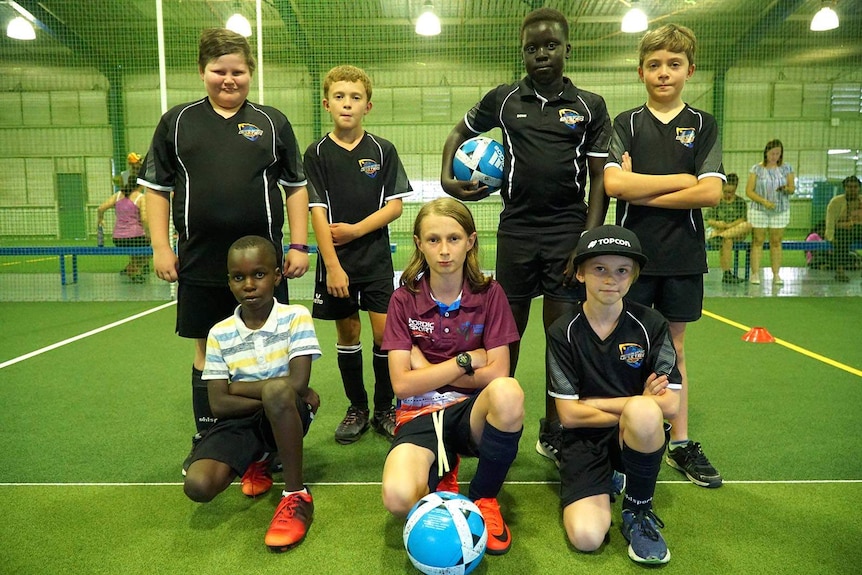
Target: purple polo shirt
column 483, row 320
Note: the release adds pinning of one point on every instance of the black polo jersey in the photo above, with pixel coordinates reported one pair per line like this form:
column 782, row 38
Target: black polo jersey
column 547, row 144
column 673, row 240
column 352, row 185
column 582, row 365
column 224, row 174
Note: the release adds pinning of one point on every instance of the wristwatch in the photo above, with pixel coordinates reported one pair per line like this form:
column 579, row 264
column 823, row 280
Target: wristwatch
column 464, row 360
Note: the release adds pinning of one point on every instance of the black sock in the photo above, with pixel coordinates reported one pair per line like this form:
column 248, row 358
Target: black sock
column 641, row 471
column 350, row 366
column 204, row 418
column 497, row 451
column 383, row 394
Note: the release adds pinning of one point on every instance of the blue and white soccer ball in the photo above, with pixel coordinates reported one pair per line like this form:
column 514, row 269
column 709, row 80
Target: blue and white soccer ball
column 445, row 534
column 480, row 159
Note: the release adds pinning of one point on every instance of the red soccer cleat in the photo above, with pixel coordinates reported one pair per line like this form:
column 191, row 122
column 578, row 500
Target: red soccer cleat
column 290, row 522
column 449, row 481
column 257, row 479
column 499, row 537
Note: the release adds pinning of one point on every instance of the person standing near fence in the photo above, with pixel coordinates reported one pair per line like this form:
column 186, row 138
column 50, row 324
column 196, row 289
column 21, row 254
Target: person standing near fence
column 554, row 134
column 770, row 185
column 844, row 226
column 129, row 228
column 219, row 163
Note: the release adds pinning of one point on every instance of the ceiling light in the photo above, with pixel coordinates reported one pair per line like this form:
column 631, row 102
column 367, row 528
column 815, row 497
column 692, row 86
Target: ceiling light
column 825, row 19
column 635, row 20
column 20, row 29
column 239, row 24
column 838, row 151
column 428, row 23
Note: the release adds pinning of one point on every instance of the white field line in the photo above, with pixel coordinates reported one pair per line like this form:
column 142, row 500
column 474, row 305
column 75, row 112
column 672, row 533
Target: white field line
column 53, row 346
column 377, row 483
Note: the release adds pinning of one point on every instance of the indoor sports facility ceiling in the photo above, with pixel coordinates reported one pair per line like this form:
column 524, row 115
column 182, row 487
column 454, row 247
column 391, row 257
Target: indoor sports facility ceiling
column 123, row 33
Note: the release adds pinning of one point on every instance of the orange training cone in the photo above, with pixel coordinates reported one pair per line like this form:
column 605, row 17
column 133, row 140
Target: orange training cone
column 758, row 335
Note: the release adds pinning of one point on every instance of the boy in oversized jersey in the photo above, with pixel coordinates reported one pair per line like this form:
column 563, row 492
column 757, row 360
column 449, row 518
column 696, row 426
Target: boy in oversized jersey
column 357, row 182
column 219, row 163
column 614, row 378
column 664, row 165
column 554, row 135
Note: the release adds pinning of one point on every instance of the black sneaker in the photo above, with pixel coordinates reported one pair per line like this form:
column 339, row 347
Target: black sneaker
column 689, row 459
column 550, row 440
column 196, row 438
column 731, row 278
column 383, row 423
column 354, row 424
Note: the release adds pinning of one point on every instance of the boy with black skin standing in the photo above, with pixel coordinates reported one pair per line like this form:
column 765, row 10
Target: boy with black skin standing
column 554, row 134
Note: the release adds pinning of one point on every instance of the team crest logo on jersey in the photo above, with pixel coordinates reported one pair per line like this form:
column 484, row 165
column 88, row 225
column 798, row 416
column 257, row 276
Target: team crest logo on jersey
column 570, row 118
column 369, row 167
column 632, row 353
column 249, row 131
column 685, row 136
column 420, row 329
column 468, row 330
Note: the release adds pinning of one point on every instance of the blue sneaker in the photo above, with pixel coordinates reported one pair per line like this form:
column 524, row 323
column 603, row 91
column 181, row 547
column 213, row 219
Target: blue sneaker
column 618, row 483
column 646, row 545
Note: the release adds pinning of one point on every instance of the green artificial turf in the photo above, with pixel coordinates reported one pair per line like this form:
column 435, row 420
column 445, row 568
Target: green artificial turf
column 94, row 433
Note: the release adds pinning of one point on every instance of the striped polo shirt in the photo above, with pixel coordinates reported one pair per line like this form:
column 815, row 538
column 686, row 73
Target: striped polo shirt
column 237, row 353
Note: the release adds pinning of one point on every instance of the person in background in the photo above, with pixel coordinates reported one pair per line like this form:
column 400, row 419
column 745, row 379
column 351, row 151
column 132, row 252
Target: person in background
column 728, row 223
column 818, row 259
column 130, row 227
column 844, row 226
column 770, row 185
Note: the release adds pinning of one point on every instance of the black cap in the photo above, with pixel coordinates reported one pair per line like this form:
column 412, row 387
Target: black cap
column 609, row 241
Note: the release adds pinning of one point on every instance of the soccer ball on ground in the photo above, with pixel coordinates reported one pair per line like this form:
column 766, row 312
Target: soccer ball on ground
column 445, row 534
column 480, row 159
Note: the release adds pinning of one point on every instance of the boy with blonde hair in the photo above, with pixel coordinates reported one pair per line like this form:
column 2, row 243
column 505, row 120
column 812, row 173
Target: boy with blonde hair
column 664, row 165
column 356, row 185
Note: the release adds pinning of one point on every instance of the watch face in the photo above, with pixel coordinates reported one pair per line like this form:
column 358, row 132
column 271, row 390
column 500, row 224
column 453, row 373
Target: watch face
column 463, row 359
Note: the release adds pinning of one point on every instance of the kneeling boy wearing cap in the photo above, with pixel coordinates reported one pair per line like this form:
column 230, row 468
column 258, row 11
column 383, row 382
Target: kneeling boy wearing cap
column 614, row 378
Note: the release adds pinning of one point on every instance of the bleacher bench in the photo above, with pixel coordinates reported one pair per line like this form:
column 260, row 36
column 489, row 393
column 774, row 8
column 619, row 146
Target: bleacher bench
column 74, row 251
column 789, row 245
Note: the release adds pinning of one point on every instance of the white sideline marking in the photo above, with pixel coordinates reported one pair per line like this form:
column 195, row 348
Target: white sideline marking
column 83, row 335
column 378, row 483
